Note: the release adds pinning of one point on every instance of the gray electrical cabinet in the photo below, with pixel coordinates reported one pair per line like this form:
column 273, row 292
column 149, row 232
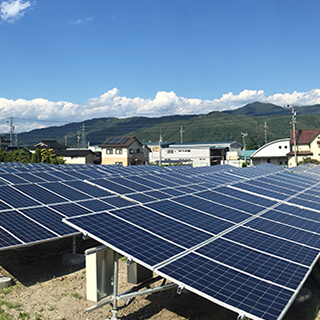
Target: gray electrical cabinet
column 136, row 273
column 99, row 272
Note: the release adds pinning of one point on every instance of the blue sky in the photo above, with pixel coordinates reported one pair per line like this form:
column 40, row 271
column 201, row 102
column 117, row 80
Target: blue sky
column 79, row 59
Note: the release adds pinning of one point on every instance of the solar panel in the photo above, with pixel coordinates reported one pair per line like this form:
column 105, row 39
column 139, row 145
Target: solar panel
column 129, row 184
column 7, row 240
column 40, row 194
column 30, row 177
column 198, row 219
column 273, row 244
column 95, row 205
column 218, row 283
column 298, row 222
column 113, row 187
column 214, row 209
column 286, row 232
column 50, row 219
column 140, row 198
column 65, row 191
column 88, row 188
column 127, row 238
column 11, row 178
column 31, row 231
column 238, row 245
column 16, row 199
column 259, row 264
column 236, row 203
column 260, row 191
column 70, row 209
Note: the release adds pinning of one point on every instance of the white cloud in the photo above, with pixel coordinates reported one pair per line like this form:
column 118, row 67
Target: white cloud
column 36, row 113
column 80, row 21
column 12, row 10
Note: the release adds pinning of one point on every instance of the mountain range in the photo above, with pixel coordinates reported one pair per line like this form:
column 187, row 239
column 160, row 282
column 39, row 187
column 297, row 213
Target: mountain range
column 214, row 126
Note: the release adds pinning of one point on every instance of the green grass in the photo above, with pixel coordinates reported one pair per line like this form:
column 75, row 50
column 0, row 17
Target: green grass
column 10, row 305
column 6, row 290
column 76, row 295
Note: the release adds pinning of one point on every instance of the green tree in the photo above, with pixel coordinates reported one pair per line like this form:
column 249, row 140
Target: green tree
column 17, row 156
column 252, row 144
column 36, row 156
column 49, row 156
column 309, row 160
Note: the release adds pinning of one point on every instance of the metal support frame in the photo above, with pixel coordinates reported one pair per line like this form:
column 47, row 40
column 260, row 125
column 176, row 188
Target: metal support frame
column 114, row 310
column 130, row 294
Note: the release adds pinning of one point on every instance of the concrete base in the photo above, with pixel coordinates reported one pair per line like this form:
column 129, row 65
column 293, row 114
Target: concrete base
column 4, row 282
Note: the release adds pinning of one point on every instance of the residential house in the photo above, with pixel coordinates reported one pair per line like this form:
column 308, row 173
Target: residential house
column 71, row 156
column 47, row 144
column 125, row 150
column 275, row 152
column 4, row 142
column 77, row 156
column 307, row 146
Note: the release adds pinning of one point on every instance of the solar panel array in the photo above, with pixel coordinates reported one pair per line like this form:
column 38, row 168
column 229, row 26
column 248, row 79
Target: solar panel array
column 246, row 239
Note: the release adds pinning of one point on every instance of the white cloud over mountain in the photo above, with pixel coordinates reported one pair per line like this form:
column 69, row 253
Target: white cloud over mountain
column 12, row 10
column 36, row 113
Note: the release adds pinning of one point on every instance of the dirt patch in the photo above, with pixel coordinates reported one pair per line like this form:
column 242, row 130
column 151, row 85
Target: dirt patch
column 44, row 288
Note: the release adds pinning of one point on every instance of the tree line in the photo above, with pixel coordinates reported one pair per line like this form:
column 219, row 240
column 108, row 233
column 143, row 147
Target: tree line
column 39, row 156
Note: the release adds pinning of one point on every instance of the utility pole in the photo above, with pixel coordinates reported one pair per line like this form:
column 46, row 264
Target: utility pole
column 265, row 127
column 181, row 134
column 83, row 136
column 11, row 130
column 160, row 142
column 65, row 140
column 244, row 146
column 78, row 139
column 16, row 140
column 293, row 122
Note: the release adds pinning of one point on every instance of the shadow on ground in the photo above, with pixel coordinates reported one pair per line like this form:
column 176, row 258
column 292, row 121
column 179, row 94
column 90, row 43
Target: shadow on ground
column 43, row 261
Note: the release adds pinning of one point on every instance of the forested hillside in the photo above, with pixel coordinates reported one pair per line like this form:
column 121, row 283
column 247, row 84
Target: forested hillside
column 215, row 126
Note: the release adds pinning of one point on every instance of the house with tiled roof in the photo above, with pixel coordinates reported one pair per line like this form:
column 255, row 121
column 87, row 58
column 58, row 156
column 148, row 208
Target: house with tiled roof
column 125, row 150
column 47, row 144
column 307, row 146
column 78, row 156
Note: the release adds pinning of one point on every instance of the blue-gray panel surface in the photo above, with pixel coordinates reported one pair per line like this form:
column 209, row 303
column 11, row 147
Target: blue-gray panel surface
column 127, row 238
column 241, row 291
column 271, row 244
column 286, row 232
column 198, row 219
column 165, row 227
column 215, row 209
column 30, row 232
column 262, row 265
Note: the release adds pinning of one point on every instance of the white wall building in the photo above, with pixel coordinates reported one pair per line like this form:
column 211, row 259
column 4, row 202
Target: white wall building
column 274, row 152
column 195, row 154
